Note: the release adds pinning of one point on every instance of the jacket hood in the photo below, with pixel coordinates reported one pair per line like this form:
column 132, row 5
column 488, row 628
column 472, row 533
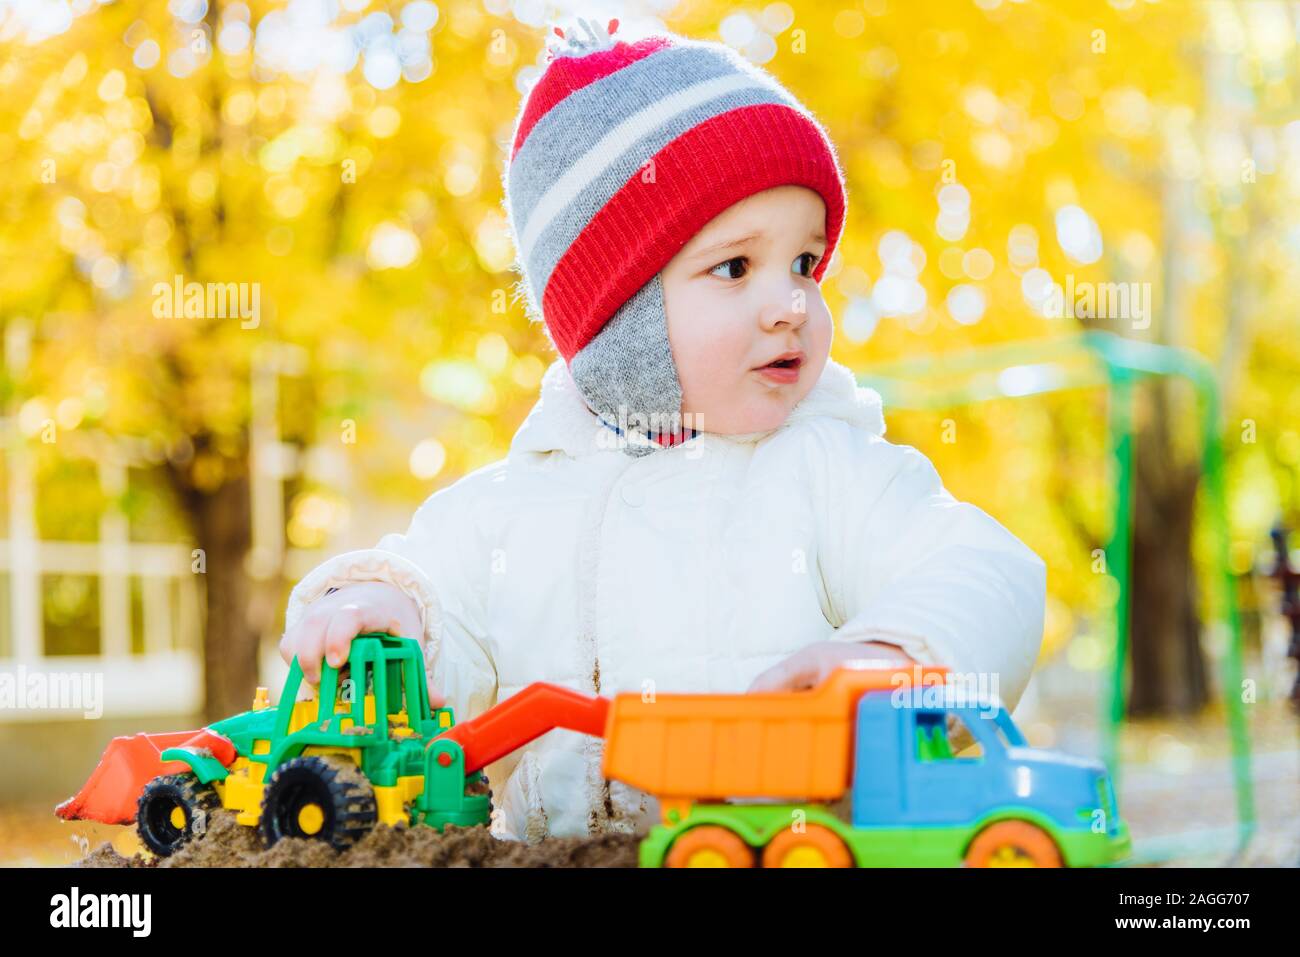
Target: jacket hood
column 561, row 420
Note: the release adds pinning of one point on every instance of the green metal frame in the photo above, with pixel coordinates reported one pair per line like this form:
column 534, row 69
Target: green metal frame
column 1090, row 359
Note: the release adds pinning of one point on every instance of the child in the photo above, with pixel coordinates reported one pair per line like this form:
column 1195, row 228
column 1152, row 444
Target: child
column 701, row 500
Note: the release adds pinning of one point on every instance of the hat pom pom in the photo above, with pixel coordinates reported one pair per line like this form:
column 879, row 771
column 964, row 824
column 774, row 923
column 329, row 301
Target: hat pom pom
column 575, row 45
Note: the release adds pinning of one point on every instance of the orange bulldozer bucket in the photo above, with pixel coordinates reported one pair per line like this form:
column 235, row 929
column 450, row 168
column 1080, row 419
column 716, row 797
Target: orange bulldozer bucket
column 129, row 763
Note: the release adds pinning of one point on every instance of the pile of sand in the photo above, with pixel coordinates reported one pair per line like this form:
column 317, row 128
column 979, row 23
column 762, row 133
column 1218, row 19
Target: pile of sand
column 227, row 844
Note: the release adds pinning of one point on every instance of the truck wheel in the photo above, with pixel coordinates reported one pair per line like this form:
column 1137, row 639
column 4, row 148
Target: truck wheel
column 1013, row 844
column 172, row 809
column 709, row 845
column 319, row 798
column 817, row 846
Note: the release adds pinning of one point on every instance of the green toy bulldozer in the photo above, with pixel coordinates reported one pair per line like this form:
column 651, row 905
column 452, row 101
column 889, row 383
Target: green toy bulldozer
column 366, row 750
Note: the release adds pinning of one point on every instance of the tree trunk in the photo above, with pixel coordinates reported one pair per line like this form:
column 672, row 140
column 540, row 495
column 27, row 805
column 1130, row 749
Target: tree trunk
column 222, row 524
column 1168, row 667
column 231, row 642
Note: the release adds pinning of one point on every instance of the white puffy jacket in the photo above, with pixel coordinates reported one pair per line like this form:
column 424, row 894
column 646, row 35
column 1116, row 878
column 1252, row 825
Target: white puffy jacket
column 690, row 569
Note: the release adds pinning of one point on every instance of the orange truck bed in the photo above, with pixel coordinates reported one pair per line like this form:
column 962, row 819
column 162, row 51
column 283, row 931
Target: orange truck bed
column 771, row 745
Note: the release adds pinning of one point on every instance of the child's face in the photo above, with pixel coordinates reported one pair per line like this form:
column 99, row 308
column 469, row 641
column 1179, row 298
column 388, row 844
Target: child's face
column 740, row 294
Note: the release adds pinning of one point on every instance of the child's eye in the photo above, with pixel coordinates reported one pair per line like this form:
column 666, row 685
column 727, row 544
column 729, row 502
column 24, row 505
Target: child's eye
column 812, row 264
column 726, row 265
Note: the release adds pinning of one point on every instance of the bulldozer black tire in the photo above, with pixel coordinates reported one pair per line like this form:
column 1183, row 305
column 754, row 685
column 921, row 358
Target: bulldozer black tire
column 156, row 812
column 318, row 798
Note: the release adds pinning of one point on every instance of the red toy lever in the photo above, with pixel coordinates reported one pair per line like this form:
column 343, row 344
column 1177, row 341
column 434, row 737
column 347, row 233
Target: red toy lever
column 524, row 716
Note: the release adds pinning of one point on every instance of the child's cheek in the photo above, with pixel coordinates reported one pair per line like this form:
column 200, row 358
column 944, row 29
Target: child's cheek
column 823, row 330
column 698, row 372
column 707, row 355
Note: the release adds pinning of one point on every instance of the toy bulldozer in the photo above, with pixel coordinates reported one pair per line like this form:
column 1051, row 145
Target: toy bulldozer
column 367, row 750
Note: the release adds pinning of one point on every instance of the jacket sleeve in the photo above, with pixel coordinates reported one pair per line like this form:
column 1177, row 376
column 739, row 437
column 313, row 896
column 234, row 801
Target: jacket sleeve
column 439, row 564
column 911, row 566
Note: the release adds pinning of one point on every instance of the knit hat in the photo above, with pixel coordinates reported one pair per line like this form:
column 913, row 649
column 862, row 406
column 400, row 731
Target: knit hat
column 621, row 153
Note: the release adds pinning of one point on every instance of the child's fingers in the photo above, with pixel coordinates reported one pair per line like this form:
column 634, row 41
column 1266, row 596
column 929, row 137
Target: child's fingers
column 309, row 646
column 789, row 675
column 325, row 634
column 295, row 639
column 352, row 620
column 436, row 698
column 345, row 624
column 882, row 651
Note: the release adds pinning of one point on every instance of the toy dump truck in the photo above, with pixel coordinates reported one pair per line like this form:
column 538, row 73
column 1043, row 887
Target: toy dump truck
column 743, row 780
column 746, row 780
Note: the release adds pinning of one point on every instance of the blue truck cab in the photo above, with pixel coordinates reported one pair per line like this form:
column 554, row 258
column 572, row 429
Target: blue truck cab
column 941, row 797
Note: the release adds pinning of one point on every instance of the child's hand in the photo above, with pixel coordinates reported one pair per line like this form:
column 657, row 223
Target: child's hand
column 810, row 666
column 333, row 620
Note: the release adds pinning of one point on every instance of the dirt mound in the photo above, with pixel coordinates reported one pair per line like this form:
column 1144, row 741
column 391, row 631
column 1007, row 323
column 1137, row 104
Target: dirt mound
column 227, row 844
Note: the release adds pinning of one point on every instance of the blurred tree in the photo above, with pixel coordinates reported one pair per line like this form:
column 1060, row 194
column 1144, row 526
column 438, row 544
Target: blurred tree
column 356, row 228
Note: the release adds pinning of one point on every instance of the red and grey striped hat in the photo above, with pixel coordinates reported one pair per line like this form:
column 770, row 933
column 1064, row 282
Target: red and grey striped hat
column 621, row 153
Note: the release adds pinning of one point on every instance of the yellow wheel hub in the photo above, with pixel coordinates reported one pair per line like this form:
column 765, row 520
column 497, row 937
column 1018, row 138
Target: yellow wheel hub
column 707, row 857
column 804, row 857
column 310, row 818
column 177, row 817
column 1010, row 856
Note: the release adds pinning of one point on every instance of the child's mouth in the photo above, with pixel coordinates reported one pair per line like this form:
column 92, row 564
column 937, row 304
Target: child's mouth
column 783, row 370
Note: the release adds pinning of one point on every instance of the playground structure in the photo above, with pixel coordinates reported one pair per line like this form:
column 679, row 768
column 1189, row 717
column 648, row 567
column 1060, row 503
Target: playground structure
column 1100, row 359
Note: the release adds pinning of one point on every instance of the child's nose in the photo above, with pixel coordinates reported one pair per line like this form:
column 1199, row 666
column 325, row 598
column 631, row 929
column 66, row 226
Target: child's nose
column 786, row 304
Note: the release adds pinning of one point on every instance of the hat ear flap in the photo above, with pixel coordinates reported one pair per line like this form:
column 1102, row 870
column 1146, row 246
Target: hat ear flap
column 627, row 373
